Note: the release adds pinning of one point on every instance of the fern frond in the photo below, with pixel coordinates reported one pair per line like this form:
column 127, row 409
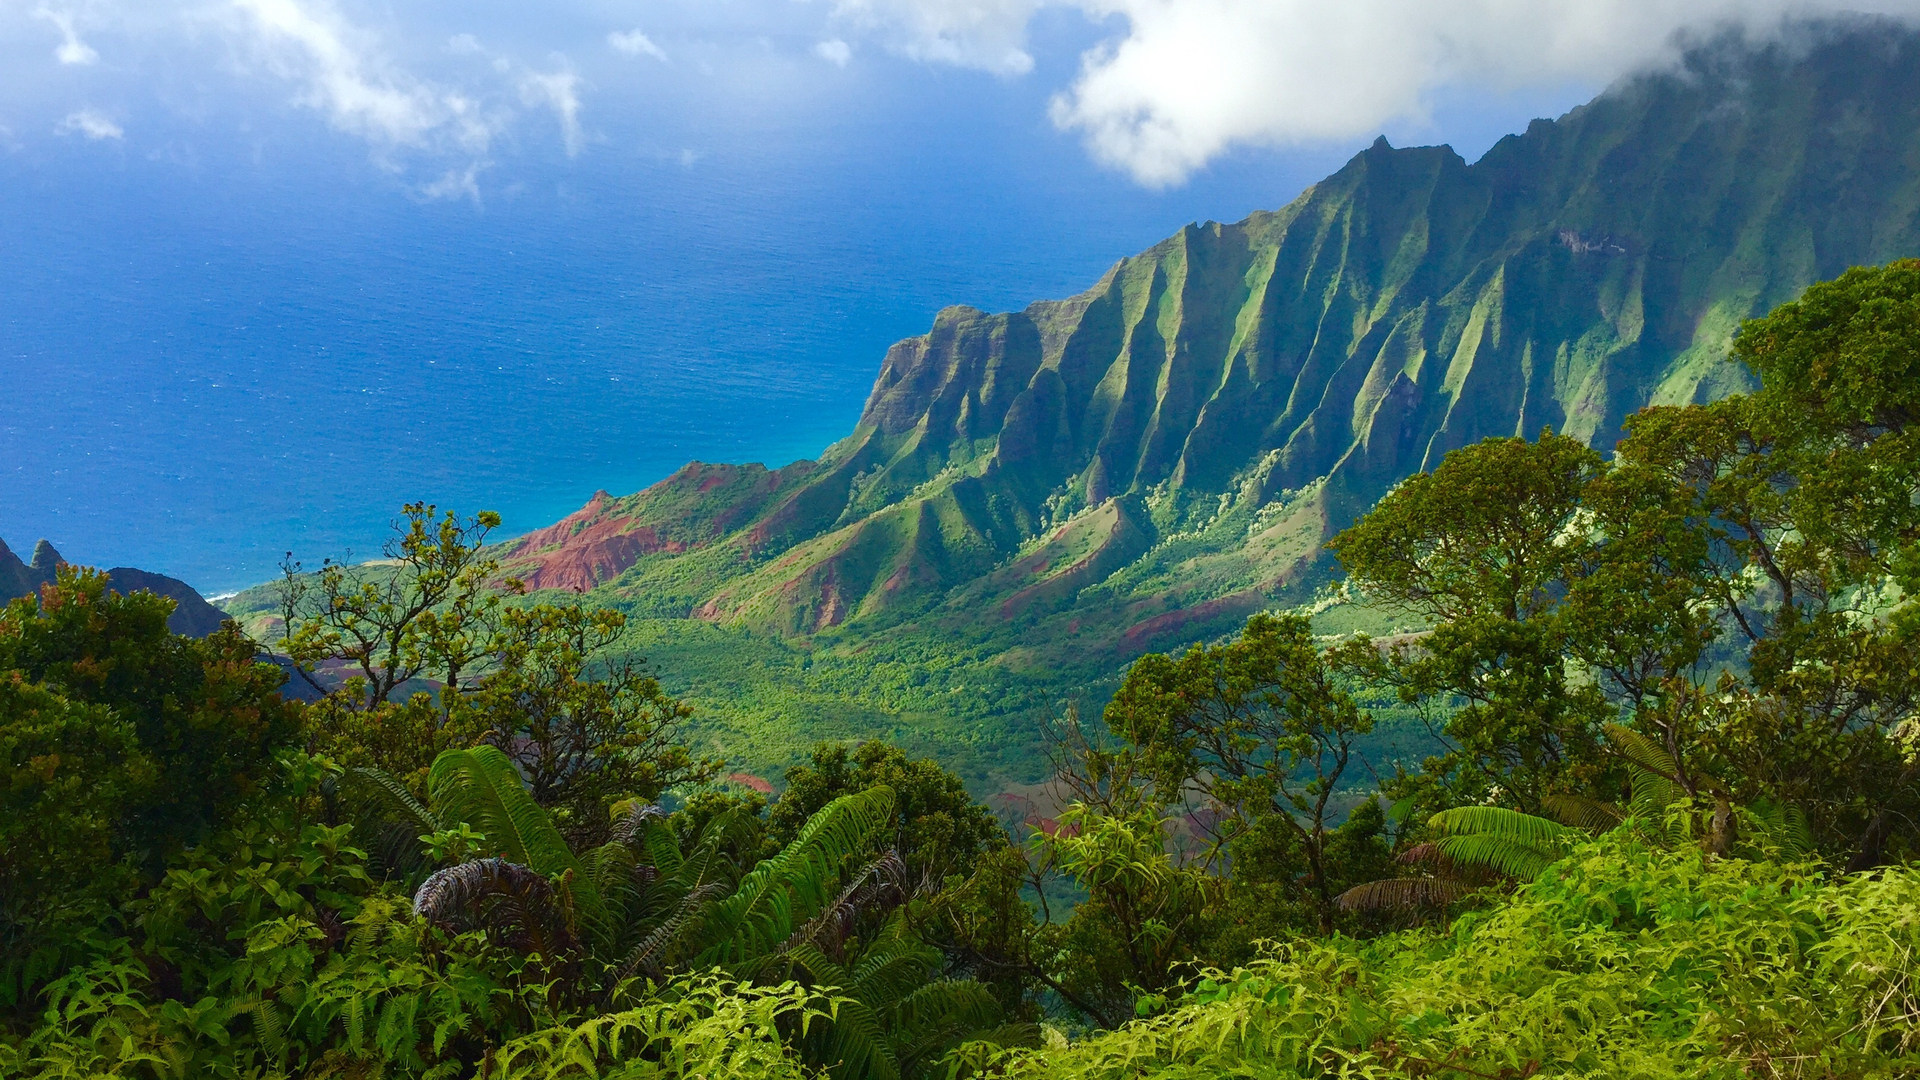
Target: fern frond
column 611, row 869
column 1580, row 812
column 268, row 1026
column 1642, row 751
column 1425, row 854
column 514, row 904
column 781, row 891
column 1505, row 841
column 1520, row 861
column 633, row 825
column 1652, row 795
column 805, row 964
column 893, row 969
column 1498, row 821
column 736, row 830
column 1402, row 894
column 649, row 955
column 393, row 797
column 880, row 884
column 938, row 1015
column 853, row 1045
column 1784, row 828
column 662, row 848
column 481, row 787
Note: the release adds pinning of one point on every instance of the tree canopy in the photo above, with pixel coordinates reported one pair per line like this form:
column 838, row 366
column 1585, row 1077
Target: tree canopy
column 1664, row 825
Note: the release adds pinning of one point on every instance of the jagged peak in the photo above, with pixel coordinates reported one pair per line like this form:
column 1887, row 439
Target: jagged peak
column 1409, row 304
column 45, row 558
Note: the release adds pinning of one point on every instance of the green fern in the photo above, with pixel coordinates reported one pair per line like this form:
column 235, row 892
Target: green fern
column 393, row 797
column 1506, row 841
column 481, row 787
column 1591, row 815
column 1642, row 751
column 1783, row 828
column 781, row 893
column 1402, row 894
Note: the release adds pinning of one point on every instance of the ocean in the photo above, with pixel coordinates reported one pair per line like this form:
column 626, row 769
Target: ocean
column 215, row 350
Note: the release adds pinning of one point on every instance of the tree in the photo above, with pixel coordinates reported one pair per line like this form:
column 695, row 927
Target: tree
column 939, row 829
column 1486, row 549
column 1144, row 915
column 1262, row 731
column 1789, row 517
column 425, row 611
column 206, row 715
column 429, row 651
column 124, row 744
column 585, row 730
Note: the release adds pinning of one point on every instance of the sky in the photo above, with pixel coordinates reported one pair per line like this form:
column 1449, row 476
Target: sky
column 273, row 267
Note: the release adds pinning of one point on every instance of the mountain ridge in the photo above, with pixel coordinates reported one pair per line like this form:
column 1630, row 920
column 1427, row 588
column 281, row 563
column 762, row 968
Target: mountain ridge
column 1081, row 462
column 1030, row 499
column 192, row 614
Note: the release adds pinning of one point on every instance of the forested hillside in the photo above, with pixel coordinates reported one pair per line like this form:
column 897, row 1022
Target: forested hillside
column 1668, row 827
column 1031, row 499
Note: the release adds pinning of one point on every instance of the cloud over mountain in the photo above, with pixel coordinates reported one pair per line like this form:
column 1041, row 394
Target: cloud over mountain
column 1181, row 81
column 1166, row 87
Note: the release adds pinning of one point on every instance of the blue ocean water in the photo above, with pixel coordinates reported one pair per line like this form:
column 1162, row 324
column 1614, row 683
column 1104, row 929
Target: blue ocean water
column 215, row 349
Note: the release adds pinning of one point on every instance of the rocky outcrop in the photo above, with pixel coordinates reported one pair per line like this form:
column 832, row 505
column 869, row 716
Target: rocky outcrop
column 192, row 615
column 16, row 577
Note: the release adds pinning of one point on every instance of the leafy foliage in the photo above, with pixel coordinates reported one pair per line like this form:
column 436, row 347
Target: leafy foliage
column 940, row 830
column 124, row 744
column 1264, row 731
column 1622, row 961
column 1667, row 832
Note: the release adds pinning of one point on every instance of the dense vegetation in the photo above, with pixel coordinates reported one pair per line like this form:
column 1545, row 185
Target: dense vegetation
column 1668, row 831
column 1033, row 499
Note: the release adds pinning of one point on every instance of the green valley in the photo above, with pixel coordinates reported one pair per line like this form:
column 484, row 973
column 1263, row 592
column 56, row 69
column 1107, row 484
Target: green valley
column 1031, row 499
column 1460, row 626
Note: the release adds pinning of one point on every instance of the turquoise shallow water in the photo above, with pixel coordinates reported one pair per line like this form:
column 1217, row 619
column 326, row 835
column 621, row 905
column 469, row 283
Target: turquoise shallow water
column 214, row 350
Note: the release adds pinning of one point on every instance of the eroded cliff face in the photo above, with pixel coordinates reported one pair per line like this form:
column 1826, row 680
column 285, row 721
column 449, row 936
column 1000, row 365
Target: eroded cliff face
column 1155, row 458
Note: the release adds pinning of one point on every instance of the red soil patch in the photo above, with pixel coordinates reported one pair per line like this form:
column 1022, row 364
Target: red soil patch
column 584, row 549
column 1140, row 636
column 748, row 780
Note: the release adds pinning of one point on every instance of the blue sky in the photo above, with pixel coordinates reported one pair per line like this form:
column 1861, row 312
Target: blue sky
column 442, row 93
column 274, row 267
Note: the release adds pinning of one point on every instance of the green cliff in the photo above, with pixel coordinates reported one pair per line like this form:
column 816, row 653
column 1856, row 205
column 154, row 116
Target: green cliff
column 1032, row 498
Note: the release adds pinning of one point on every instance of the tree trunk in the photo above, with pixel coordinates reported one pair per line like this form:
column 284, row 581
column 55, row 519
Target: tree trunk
column 1872, row 844
column 1720, row 831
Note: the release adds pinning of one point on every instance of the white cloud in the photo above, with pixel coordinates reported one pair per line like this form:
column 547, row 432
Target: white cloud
column 635, row 43
column 343, row 78
column 92, row 123
column 457, row 184
column 560, row 92
column 71, row 49
column 1185, row 80
column 834, row 51
column 987, row 34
